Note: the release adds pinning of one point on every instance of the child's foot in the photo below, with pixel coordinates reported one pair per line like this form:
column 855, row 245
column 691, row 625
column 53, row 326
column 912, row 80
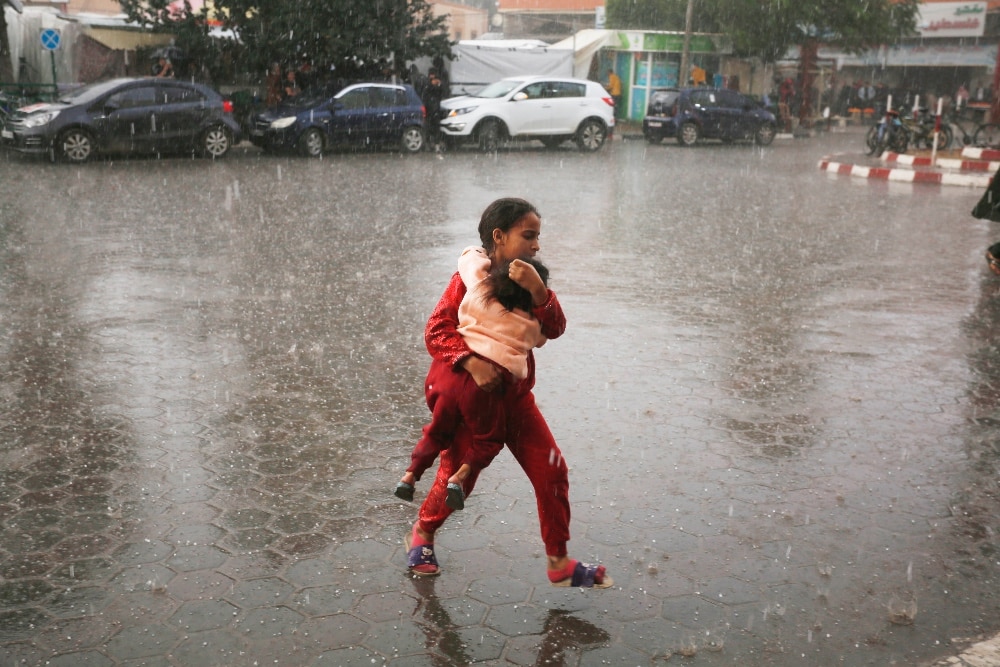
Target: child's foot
column 404, row 491
column 405, row 487
column 456, row 497
column 580, row 575
column 420, row 558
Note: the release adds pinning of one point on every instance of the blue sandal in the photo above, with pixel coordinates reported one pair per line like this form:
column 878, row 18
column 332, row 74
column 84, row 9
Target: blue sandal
column 421, row 555
column 586, row 576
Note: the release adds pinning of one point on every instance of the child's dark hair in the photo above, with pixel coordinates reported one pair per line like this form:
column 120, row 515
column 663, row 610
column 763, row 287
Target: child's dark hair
column 499, row 286
column 502, row 214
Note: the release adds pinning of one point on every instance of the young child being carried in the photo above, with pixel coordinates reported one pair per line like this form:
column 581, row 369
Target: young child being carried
column 495, row 320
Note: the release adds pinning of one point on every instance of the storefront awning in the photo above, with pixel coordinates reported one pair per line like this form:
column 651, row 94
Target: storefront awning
column 127, row 40
column 910, row 55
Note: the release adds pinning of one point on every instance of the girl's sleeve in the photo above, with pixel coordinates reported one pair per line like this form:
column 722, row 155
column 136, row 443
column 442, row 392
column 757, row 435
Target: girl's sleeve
column 441, row 334
column 550, row 315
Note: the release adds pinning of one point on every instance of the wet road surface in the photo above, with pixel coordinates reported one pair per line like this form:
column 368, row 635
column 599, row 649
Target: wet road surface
column 777, row 395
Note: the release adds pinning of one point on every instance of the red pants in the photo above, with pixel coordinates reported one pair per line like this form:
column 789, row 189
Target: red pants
column 530, row 441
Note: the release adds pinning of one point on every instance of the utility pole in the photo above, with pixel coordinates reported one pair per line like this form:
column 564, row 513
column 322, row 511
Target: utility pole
column 682, row 75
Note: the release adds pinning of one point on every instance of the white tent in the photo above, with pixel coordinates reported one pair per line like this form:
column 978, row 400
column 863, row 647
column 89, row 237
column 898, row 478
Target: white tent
column 585, row 44
column 479, row 63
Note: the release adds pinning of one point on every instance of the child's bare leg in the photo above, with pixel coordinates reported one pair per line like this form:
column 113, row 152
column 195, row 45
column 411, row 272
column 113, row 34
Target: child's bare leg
column 460, row 474
column 408, row 478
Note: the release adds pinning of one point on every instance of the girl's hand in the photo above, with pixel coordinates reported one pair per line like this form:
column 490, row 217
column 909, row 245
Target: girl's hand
column 485, row 374
column 526, row 276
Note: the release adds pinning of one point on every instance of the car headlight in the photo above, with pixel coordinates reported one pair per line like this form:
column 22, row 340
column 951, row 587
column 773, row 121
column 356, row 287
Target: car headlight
column 460, row 112
column 40, row 119
column 282, row 123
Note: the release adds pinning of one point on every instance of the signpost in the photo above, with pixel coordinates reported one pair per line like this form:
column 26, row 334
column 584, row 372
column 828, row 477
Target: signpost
column 50, row 42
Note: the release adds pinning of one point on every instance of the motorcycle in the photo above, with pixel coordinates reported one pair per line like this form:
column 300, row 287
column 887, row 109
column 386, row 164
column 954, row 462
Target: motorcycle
column 888, row 134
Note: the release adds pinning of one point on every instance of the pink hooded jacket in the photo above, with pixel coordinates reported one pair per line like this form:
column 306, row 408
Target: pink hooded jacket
column 504, row 337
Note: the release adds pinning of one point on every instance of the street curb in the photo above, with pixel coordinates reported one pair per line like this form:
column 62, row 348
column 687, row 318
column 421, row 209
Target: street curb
column 902, row 175
column 981, row 153
column 943, row 163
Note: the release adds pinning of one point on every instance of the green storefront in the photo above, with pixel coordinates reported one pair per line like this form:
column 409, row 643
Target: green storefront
column 646, row 61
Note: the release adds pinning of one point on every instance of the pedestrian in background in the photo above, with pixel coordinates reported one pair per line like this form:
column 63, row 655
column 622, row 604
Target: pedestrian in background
column 614, row 86
column 432, row 96
column 291, row 88
column 163, row 68
column 508, row 229
column 275, row 91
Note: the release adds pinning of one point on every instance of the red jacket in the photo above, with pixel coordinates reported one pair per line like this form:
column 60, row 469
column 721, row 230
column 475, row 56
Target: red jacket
column 445, row 343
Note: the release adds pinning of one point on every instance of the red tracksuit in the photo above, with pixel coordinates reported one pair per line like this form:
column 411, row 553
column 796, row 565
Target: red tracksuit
column 527, row 435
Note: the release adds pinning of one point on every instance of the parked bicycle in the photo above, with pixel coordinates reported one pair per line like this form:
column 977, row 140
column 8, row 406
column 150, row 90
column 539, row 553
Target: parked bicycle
column 982, row 135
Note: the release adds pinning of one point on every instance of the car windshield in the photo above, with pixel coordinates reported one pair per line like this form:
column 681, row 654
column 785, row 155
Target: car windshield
column 498, row 89
column 89, row 92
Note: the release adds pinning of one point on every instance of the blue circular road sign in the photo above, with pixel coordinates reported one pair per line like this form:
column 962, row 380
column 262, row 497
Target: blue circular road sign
column 50, row 39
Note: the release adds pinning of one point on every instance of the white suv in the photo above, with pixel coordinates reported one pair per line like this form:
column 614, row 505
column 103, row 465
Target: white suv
column 550, row 109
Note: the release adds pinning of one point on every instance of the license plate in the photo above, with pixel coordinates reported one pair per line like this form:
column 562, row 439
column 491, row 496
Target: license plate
column 6, row 134
column 653, row 123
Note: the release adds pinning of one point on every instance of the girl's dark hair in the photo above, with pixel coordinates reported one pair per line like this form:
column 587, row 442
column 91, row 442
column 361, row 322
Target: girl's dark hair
column 502, row 214
column 499, row 286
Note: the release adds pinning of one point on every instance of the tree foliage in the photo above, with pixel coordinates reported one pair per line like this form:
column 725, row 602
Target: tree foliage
column 350, row 35
column 766, row 29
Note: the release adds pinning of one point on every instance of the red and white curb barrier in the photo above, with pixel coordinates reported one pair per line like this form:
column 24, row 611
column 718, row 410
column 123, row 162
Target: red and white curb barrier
column 903, row 175
column 981, row 153
column 943, row 163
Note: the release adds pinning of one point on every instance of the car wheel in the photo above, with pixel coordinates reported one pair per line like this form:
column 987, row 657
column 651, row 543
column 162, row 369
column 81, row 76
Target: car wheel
column 591, row 135
column 489, row 136
column 689, row 134
column 311, row 143
column 552, row 142
column 75, row 145
column 764, row 134
column 413, row 139
column 216, row 142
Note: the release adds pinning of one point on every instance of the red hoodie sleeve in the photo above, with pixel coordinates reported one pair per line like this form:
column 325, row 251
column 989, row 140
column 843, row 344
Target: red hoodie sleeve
column 550, row 315
column 441, row 334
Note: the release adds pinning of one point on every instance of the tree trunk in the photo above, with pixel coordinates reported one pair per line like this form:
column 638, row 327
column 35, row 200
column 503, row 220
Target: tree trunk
column 807, row 69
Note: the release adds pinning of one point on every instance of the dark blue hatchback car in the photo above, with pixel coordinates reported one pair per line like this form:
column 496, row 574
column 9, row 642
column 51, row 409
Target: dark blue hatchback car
column 690, row 114
column 358, row 115
column 144, row 116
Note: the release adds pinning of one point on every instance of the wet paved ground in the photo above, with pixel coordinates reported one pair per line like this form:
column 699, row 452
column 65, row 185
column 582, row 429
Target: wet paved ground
column 777, row 394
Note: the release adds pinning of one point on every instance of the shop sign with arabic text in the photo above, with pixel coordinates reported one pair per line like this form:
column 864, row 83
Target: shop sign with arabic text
column 952, row 19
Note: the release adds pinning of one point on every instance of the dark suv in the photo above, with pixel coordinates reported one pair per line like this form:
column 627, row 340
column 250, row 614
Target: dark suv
column 144, row 116
column 690, row 114
column 361, row 114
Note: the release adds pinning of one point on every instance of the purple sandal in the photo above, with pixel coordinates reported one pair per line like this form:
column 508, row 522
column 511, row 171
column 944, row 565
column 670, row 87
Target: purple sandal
column 421, row 555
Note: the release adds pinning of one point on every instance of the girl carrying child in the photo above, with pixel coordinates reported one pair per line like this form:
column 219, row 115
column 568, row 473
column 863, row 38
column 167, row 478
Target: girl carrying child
column 509, row 230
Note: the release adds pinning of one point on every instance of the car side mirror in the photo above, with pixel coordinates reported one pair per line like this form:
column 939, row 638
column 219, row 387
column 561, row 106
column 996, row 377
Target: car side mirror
column 110, row 107
column 520, row 97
